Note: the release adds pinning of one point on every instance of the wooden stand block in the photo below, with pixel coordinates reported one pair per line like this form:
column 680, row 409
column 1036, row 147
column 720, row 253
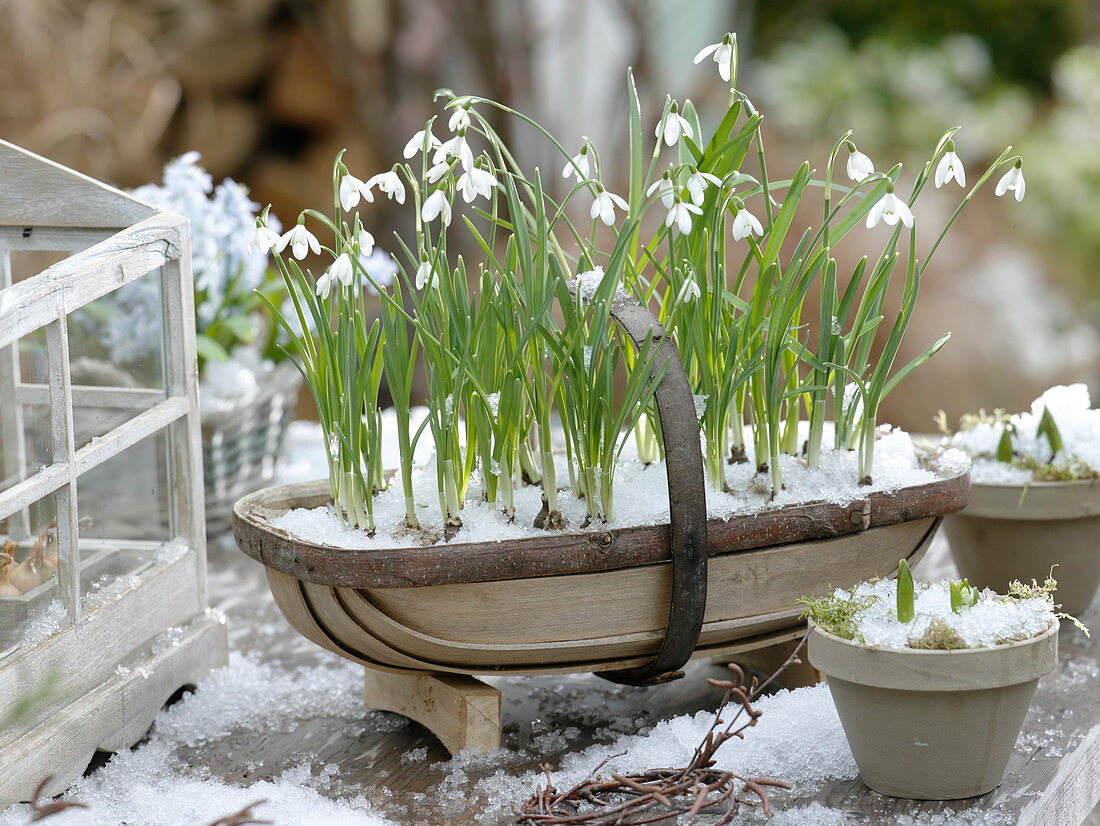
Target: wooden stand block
column 463, row 712
column 767, row 660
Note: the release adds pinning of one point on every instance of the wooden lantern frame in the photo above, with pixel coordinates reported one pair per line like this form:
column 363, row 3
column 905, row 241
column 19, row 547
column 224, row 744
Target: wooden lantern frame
column 99, row 681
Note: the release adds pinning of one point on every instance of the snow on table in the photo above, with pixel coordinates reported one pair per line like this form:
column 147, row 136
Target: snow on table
column 284, row 722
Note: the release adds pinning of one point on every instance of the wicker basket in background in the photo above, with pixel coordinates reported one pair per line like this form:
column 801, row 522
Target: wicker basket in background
column 242, row 444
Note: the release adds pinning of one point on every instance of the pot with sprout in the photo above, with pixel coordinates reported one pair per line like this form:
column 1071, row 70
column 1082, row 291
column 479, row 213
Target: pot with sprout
column 643, row 444
column 1035, row 500
column 932, row 681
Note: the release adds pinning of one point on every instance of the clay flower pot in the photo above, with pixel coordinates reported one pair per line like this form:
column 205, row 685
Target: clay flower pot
column 932, row 725
column 1007, row 533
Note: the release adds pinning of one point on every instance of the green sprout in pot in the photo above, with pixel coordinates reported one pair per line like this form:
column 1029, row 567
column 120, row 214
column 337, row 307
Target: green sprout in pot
column 905, row 596
column 963, row 595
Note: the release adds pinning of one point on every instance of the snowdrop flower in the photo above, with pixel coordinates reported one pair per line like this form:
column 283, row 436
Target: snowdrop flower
column 891, row 209
column 436, row 205
column 365, row 242
column 745, row 224
column 438, row 171
column 697, row 184
column 387, row 182
column 603, row 207
column 680, row 214
column 416, row 142
column 456, row 147
column 665, row 189
column 859, row 165
column 342, row 270
column 460, row 119
column 474, row 182
column 578, row 165
column 724, row 55
column 673, row 126
column 264, row 239
column 689, row 290
column 950, row 167
column 1014, row 180
column 324, row 285
column 351, row 188
column 424, row 274
column 300, row 240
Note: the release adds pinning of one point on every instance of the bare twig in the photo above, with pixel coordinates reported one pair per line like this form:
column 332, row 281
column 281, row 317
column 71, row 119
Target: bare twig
column 659, row 795
column 42, row 809
column 243, row 817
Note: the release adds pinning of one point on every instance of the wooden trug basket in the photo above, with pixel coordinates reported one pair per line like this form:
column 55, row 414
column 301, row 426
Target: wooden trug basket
column 631, row 604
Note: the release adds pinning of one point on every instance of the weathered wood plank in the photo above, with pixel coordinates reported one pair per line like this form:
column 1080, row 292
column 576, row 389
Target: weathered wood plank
column 559, row 553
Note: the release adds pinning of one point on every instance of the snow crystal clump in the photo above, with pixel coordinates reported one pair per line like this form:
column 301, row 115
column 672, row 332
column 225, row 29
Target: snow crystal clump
column 992, row 621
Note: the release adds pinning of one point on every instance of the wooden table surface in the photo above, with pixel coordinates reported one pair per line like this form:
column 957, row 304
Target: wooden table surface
column 1053, row 778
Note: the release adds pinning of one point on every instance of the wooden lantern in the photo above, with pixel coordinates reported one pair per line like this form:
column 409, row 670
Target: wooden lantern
column 103, row 607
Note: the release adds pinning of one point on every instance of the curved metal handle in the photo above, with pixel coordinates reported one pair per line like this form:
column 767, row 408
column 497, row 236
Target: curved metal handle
column 687, row 499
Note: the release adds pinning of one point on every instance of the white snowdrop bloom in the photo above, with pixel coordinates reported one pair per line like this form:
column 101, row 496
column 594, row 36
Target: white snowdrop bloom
column 578, row 165
column 264, row 239
column 300, row 240
column 424, row 275
column 455, row 147
column 680, row 214
column 435, row 206
column 342, row 270
column 891, row 209
column 366, row 242
column 723, row 56
column 689, row 290
column 859, row 166
column 438, row 171
column 665, row 189
column 324, row 284
column 351, row 189
column 1014, row 180
column 603, row 207
column 416, row 142
column 745, row 224
column 673, row 126
column 474, row 182
column 389, row 183
column 697, row 185
column 950, row 167
column 460, row 119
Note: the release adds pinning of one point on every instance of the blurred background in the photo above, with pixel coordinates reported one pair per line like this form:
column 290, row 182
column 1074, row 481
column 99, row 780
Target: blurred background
column 269, row 90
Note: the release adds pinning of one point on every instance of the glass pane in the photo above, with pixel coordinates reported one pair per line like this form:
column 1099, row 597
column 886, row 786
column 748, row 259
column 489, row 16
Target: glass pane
column 126, row 519
column 116, row 357
column 30, row 600
column 25, row 443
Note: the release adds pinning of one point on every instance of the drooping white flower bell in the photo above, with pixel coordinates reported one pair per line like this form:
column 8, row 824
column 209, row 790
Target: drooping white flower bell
column 435, row 206
column 342, row 269
column 324, row 285
column 689, row 290
column 300, row 240
column 745, row 224
column 474, row 182
column 724, row 56
column 603, row 207
column 417, row 143
column 456, row 147
column 578, row 165
column 697, row 185
column 1014, row 180
column 424, row 274
column 387, row 182
column 663, row 187
column 673, row 126
column 859, row 166
column 265, row 238
column 891, row 209
column 680, row 214
column 351, row 189
column 950, row 167
column 460, row 118
column 366, row 242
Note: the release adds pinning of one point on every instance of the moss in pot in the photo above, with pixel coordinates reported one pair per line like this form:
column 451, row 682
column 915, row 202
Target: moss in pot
column 1035, row 496
column 932, row 681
